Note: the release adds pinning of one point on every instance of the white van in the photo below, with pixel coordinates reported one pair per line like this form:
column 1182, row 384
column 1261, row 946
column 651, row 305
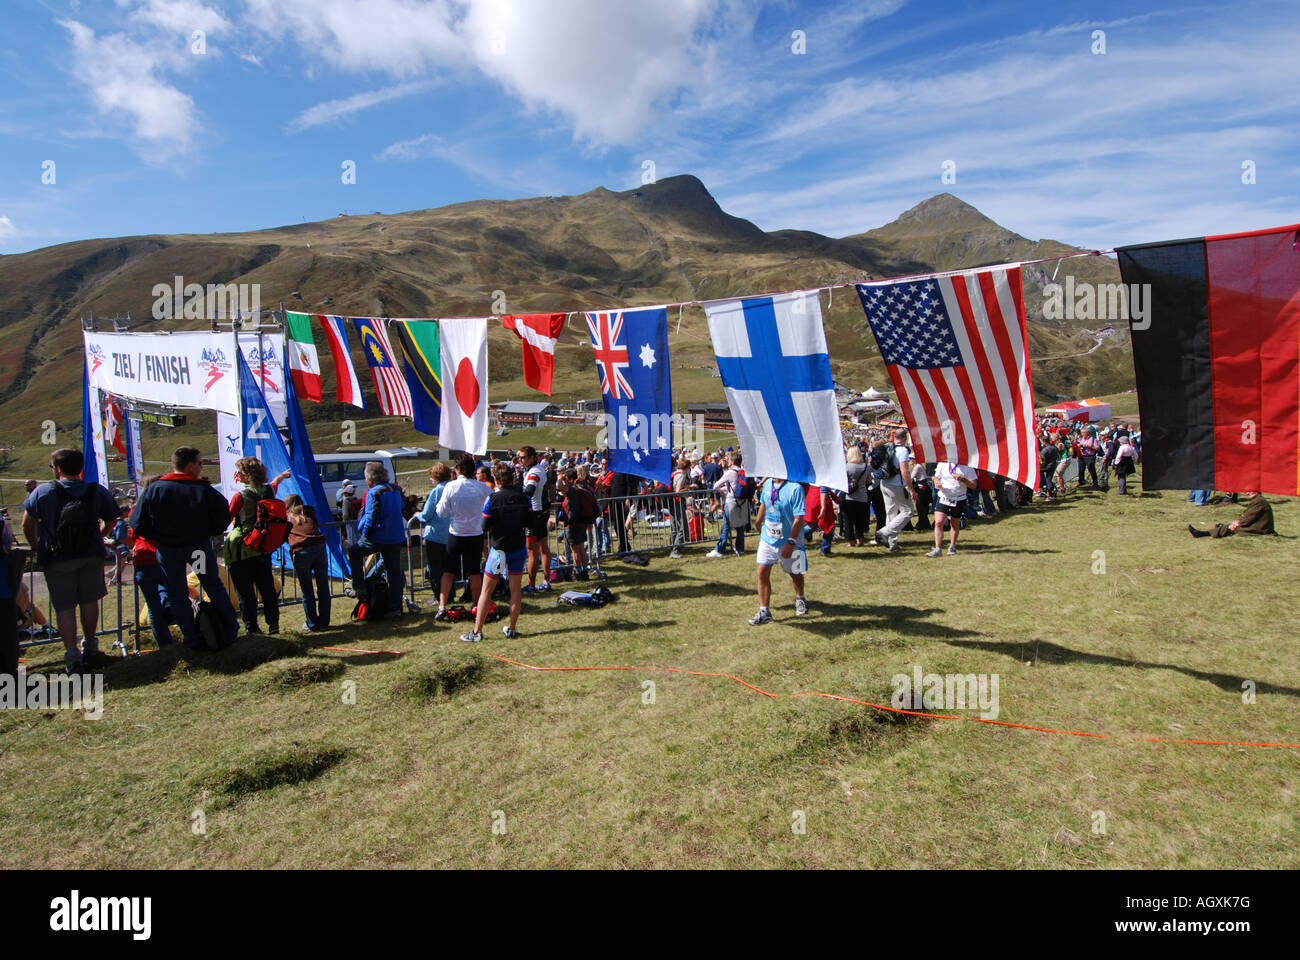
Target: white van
column 338, row 468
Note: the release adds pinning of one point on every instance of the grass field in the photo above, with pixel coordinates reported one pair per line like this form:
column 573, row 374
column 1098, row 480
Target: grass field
column 575, row 769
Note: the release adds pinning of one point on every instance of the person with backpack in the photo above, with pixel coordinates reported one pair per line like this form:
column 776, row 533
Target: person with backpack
column 64, row 521
column 507, row 516
column 891, row 465
column 580, row 512
column 737, row 497
column 180, row 513
column 310, row 560
column 380, row 530
column 259, row 526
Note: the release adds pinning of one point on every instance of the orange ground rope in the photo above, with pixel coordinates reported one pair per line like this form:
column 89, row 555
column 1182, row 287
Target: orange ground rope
column 914, row 713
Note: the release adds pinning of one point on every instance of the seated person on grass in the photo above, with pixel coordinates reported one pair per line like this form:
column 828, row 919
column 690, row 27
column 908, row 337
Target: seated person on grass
column 1256, row 519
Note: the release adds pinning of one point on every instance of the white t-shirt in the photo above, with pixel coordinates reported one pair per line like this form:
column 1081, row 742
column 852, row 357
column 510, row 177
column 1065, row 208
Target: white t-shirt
column 462, row 500
column 947, row 480
column 536, row 475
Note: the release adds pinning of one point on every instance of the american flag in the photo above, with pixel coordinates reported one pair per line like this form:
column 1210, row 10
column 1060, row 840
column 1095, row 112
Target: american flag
column 611, row 356
column 956, row 350
column 390, row 385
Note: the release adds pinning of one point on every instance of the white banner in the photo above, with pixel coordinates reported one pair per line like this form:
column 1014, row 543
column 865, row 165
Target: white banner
column 97, row 418
column 195, row 370
column 230, row 447
column 264, row 354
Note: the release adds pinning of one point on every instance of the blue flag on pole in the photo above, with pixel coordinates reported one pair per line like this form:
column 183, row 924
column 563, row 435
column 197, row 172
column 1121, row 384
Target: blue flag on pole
column 91, row 470
column 263, row 440
column 631, row 352
column 307, row 474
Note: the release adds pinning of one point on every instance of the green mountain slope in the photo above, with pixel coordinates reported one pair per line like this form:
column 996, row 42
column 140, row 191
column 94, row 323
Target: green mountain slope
column 664, row 242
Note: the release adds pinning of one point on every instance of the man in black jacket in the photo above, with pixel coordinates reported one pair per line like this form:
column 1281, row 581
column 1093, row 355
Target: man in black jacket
column 623, row 487
column 181, row 513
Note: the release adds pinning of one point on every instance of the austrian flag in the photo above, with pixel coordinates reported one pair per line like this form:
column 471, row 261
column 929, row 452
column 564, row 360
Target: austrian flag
column 539, row 332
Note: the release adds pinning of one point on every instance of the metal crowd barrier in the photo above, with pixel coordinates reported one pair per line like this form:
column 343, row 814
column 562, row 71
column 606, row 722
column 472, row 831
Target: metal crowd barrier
column 656, row 522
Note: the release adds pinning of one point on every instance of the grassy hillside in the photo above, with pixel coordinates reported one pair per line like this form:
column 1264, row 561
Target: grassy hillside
column 444, row 741
column 662, row 243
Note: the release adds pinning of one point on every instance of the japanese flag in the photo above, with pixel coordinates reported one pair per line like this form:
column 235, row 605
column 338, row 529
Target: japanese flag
column 464, row 425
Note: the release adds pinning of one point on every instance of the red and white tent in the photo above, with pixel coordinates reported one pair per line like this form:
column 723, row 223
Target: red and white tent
column 1085, row 411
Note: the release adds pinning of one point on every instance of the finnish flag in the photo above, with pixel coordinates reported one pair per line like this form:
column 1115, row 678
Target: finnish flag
column 771, row 353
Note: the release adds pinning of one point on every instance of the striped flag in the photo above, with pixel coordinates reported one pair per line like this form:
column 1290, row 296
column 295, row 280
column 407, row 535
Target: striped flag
column 1217, row 356
column 390, row 385
column 349, row 388
column 956, row 350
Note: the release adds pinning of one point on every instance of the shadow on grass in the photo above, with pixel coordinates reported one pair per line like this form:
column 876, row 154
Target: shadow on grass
column 578, row 622
column 246, row 653
column 837, row 619
column 1055, row 653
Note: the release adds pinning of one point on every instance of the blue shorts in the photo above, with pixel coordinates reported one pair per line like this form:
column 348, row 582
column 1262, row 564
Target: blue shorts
column 500, row 564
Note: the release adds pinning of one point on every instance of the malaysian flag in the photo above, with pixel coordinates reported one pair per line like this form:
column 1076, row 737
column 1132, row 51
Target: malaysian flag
column 956, row 350
column 390, row 385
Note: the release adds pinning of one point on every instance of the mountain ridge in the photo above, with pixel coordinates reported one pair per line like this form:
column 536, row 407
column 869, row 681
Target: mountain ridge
column 668, row 241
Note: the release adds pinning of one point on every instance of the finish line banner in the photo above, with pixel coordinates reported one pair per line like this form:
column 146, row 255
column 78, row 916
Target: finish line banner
column 194, row 370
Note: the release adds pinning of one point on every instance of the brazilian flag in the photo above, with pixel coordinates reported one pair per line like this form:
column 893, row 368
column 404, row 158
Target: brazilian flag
column 423, row 371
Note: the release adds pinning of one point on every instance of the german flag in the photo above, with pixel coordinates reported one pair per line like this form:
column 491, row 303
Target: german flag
column 1217, row 358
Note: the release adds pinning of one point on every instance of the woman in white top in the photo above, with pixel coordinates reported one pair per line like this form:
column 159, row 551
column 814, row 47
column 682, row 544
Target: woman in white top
column 1125, row 462
column 462, row 500
column 952, row 481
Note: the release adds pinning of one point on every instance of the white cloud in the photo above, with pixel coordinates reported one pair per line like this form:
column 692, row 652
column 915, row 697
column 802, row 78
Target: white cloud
column 332, row 110
column 252, row 58
column 7, row 229
column 605, row 67
column 402, row 38
column 123, row 76
column 181, row 16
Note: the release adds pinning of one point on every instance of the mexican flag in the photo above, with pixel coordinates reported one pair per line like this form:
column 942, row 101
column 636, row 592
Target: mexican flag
column 303, row 364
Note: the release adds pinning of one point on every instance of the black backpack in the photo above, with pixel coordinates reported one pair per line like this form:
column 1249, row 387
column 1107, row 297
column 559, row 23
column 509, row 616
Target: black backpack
column 884, row 463
column 745, row 489
column 78, row 528
column 212, row 630
column 373, row 604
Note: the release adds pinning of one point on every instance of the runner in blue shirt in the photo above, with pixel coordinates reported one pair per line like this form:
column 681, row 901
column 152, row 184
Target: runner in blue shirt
column 780, row 520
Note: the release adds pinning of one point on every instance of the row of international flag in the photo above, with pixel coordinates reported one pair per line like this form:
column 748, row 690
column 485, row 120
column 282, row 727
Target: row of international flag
column 1217, row 360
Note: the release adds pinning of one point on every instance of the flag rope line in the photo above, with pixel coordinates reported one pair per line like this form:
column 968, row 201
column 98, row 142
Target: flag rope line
column 877, row 706
column 818, row 289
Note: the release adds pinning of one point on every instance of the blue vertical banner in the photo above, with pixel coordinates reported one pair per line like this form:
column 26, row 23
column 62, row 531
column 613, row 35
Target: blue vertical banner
column 91, row 473
column 263, row 440
column 307, row 474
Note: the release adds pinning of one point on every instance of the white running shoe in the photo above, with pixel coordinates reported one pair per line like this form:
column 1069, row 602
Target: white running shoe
column 934, row 553
column 952, row 550
column 471, row 637
column 763, row 616
column 713, row 554
column 800, row 606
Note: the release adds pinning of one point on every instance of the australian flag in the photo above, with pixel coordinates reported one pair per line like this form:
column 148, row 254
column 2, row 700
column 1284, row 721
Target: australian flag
column 631, row 352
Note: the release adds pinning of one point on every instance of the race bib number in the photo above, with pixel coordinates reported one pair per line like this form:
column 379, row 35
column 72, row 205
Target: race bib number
column 774, row 530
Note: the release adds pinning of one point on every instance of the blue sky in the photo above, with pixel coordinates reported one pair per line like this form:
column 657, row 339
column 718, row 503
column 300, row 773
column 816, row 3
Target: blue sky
column 151, row 131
